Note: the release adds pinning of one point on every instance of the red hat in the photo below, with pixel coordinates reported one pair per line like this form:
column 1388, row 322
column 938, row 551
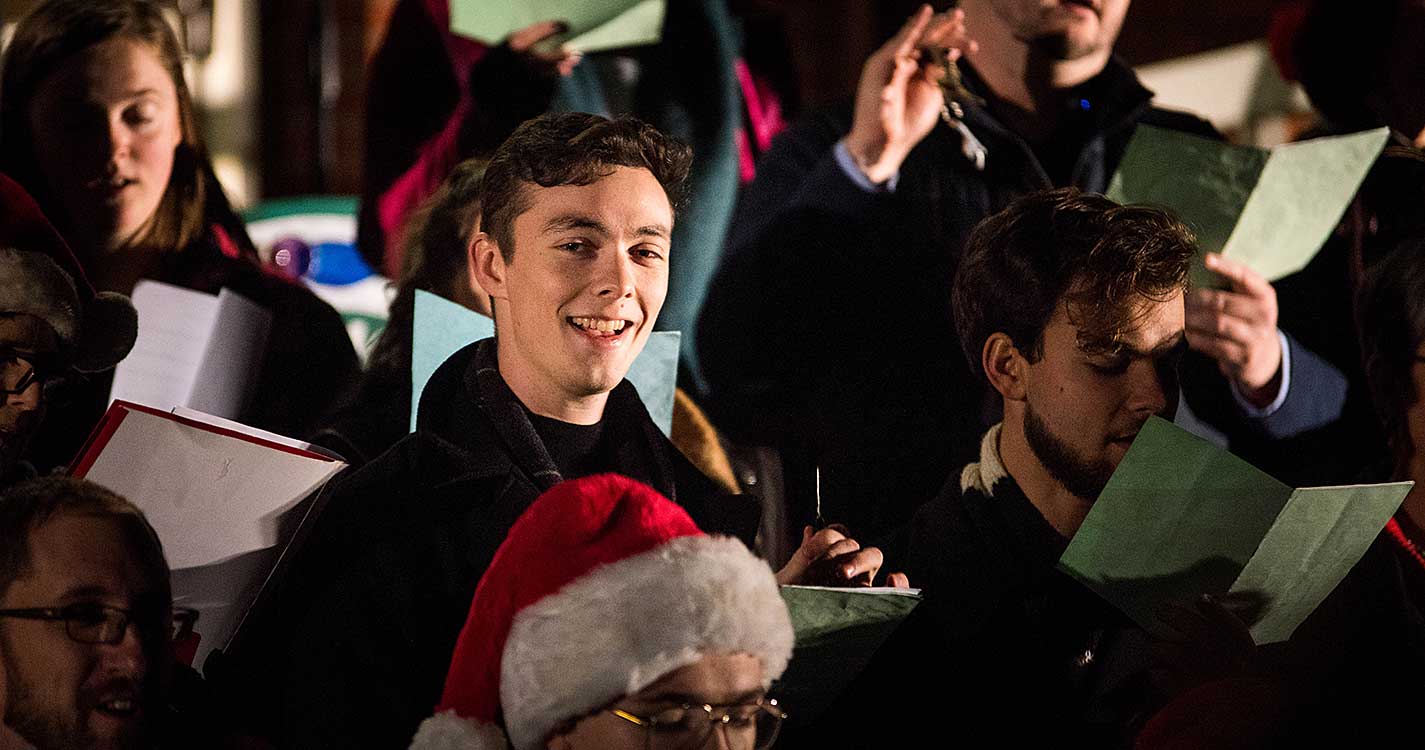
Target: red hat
column 40, row 276
column 602, row 587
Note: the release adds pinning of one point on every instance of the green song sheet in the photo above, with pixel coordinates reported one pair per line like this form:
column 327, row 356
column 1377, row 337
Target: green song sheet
column 593, row 24
column 1182, row 517
column 443, row 327
column 838, row 630
column 1269, row 208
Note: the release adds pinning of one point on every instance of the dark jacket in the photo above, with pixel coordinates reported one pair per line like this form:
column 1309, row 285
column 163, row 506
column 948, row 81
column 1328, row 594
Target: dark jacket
column 1005, row 650
column 308, row 364
column 360, row 638
column 828, row 330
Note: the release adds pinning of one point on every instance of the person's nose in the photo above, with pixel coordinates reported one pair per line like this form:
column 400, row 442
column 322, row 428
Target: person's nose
column 616, row 280
column 128, row 657
column 1148, row 389
column 27, row 400
column 117, row 142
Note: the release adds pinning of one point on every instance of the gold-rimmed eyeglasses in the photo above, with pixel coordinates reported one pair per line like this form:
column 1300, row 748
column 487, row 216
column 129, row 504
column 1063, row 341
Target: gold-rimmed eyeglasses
column 744, row 726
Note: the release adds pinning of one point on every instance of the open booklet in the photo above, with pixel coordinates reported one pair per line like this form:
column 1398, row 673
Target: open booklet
column 1181, row 517
column 1269, row 208
column 593, row 24
column 194, row 350
column 838, row 630
column 225, row 499
column 442, row 328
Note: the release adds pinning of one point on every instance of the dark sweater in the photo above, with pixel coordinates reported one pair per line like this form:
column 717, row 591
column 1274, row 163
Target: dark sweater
column 354, row 651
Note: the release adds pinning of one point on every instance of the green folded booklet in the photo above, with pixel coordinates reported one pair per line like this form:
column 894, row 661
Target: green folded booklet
column 1182, row 517
column 838, row 631
column 1269, row 208
column 593, row 24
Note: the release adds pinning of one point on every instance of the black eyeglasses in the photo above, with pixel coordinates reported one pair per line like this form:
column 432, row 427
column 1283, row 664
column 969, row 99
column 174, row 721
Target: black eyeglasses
column 84, row 622
column 20, row 370
column 745, row 726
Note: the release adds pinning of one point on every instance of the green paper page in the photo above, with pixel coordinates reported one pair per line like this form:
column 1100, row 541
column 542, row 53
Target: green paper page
column 838, row 630
column 1314, row 543
column 593, row 24
column 1178, row 518
column 1271, row 209
column 442, row 328
column 1182, row 517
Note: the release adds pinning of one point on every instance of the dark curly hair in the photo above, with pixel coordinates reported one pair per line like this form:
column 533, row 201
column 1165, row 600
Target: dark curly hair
column 573, row 148
column 1093, row 254
column 1390, row 315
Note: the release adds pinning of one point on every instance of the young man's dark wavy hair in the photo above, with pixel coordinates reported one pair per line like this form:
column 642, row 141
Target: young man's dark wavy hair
column 573, row 148
column 1096, row 256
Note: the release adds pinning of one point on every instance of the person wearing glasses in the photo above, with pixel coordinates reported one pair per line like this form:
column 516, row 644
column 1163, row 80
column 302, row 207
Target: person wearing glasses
column 52, row 324
column 577, row 218
column 84, row 617
column 608, row 620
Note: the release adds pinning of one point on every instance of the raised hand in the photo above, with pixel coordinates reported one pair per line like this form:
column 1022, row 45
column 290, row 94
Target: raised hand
column 525, row 42
column 899, row 97
column 1238, row 328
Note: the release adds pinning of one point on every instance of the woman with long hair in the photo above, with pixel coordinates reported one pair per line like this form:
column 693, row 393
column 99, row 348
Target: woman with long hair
column 97, row 122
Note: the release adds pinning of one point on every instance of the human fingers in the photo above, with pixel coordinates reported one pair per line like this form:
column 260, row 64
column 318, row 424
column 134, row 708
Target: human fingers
column 1223, row 622
column 840, row 549
column 1220, row 325
column 1230, row 356
column 1240, row 275
column 905, row 42
column 521, row 40
column 1243, row 306
column 862, row 565
column 898, row 580
column 946, row 31
column 815, row 544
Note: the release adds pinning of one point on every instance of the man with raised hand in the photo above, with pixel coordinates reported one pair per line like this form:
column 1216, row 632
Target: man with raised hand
column 1081, row 356
column 577, row 212
column 825, row 330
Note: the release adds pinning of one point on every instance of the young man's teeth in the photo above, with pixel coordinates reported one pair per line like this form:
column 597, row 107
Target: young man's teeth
column 121, row 705
column 600, row 325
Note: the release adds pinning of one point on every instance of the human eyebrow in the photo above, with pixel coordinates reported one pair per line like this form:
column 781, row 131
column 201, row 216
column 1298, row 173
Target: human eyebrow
column 1168, row 345
column 84, row 592
column 566, row 222
column 652, row 230
column 674, row 695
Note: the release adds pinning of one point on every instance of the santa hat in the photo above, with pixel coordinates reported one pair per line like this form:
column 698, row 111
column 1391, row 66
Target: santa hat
column 602, row 587
column 41, row 277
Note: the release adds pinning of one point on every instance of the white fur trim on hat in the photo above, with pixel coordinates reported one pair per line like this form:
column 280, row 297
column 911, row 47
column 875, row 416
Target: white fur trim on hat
column 448, row 731
column 622, row 626
column 32, row 283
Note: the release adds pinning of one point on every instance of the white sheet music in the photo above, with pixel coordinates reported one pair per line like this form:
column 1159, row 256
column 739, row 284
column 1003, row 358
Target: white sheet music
column 193, row 349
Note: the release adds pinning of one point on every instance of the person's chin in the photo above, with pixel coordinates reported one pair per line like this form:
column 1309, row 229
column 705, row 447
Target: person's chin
column 117, row 733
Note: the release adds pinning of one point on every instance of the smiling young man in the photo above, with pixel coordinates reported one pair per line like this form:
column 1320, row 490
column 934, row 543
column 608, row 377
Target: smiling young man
column 577, row 211
column 84, row 617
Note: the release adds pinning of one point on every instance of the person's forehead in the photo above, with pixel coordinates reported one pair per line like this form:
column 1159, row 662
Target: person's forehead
column 108, row 71
column 73, row 552
column 717, row 678
column 1149, row 323
column 631, row 196
column 27, row 332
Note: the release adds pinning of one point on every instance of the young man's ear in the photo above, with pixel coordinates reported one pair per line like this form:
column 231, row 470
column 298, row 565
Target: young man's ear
column 486, row 265
column 1005, row 366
